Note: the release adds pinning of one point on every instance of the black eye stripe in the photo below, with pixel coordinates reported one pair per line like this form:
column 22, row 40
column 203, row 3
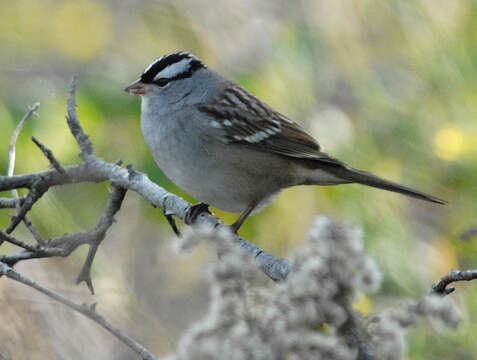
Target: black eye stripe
column 162, row 81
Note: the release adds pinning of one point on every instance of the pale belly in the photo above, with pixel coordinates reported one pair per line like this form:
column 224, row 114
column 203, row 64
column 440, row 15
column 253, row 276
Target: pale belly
column 229, row 177
column 225, row 185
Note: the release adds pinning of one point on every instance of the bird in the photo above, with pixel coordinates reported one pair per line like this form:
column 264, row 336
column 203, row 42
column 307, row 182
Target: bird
column 226, row 147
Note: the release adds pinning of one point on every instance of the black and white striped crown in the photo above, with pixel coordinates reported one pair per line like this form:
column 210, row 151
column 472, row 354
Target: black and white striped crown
column 174, row 66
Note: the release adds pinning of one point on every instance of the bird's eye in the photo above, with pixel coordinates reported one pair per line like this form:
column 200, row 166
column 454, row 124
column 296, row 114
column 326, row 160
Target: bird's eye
column 162, row 82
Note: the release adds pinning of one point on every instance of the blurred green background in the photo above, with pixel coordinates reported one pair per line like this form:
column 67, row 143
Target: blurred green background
column 387, row 86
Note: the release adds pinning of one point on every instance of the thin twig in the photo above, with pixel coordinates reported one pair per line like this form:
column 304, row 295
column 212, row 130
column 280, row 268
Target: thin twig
column 11, row 168
column 13, row 141
column 36, row 192
column 4, row 236
column 12, row 259
column 88, row 311
column 440, row 287
column 64, row 245
column 49, row 155
column 75, row 127
column 34, row 231
column 11, row 203
column 105, row 221
column 50, row 250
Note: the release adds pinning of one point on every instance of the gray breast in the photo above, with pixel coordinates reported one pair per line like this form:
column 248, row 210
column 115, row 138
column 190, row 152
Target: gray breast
column 226, row 176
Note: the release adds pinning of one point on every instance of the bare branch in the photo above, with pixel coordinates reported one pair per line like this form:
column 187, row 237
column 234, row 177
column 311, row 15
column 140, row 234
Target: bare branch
column 4, row 236
column 440, row 287
column 88, row 311
column 36, row 192
column 48, row 251
column 74, row 174
column 22, row 210
column 11, row 167
column 12, row 259
column 49, row 155
column 105, row 221
column 75, row 127
column 34, row 231
column 66, row 244
column 11, row 203
column 98, row 170
column 13, row 141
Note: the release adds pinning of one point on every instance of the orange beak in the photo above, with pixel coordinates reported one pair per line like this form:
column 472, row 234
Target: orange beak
column 137, row 88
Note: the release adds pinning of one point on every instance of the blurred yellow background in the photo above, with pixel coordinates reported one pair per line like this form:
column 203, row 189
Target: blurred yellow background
column 387, row 86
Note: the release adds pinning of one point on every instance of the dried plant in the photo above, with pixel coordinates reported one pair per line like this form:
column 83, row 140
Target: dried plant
column 308, row 316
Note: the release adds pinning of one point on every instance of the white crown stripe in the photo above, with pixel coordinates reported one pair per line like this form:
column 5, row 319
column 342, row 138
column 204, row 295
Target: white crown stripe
column 152, row 64
column 174, row 69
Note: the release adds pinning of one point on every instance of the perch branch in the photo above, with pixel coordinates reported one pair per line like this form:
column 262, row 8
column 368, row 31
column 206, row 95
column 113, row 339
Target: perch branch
column 275, row 268
column 94, row 169
column 98, row 170
column 440, row 287
column 88, row 311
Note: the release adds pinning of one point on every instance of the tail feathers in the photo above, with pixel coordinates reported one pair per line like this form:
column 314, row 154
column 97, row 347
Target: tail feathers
column 363, row 177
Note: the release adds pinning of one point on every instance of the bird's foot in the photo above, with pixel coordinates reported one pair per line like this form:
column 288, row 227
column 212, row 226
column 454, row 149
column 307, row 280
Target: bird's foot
column 172, row 223
column 194, row 211
column 234, row 228
column 238, row 224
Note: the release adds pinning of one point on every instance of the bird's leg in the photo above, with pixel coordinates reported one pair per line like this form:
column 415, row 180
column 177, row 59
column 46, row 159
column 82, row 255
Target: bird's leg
column 194, row 211
column 172, row 223
column 236, row 225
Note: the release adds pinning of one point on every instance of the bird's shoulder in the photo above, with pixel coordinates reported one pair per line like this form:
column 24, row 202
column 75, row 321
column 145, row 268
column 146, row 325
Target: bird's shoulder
column 242, row 118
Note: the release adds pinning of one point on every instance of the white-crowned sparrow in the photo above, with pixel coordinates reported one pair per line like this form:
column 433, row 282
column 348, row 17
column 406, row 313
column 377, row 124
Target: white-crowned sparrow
column 226, row 147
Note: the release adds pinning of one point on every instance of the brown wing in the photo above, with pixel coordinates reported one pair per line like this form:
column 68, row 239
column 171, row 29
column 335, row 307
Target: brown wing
column 242, row 118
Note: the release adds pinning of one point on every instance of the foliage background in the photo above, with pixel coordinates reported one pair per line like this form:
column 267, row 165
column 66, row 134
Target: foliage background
column 387, row 86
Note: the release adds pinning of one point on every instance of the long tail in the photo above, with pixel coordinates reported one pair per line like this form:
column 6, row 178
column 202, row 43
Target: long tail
column 350, row 174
